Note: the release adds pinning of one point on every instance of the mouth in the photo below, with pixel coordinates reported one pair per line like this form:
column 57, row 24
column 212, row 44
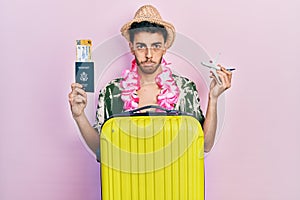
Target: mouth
column 148, row 63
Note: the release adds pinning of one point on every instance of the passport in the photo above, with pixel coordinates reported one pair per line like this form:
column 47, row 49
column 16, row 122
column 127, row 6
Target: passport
column 84, row 74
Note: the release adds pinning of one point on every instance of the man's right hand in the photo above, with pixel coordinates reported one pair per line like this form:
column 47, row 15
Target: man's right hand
column 77, row 100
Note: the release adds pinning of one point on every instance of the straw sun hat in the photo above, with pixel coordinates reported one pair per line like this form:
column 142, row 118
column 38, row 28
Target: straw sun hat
column 150, row 14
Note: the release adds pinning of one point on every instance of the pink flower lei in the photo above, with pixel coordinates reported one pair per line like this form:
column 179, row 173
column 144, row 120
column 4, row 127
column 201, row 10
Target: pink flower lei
column 169, row 92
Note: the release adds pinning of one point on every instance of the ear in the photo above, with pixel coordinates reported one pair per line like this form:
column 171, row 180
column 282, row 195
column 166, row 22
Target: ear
column 131, row 47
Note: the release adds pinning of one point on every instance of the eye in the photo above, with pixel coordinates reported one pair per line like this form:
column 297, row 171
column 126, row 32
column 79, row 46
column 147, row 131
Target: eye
column 140, row 47
column 156, row 46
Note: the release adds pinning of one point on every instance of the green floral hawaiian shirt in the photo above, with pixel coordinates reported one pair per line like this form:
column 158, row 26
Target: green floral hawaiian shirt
column 110, row 102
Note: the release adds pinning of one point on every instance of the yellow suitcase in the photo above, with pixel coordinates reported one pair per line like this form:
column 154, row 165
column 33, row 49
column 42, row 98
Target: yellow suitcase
column 152, row 156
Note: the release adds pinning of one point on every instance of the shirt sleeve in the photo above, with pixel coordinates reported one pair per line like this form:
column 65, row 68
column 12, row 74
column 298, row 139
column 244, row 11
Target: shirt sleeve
column 189, row 100
column 100, row 112
column 109, row 103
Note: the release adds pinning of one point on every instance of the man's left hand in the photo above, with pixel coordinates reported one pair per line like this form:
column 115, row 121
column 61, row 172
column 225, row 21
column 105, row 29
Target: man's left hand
column 217, row 89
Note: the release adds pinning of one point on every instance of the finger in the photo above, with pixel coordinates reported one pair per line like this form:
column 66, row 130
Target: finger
column 222, row 73
column 222, row 68
column 72, row 94
column 229, row 73
column 223, row 76
column 76, row 85
column 214, row 79
column 77, row 93
column 217, row 79
column 81, row 92
column 71, row 101
column 212, row 75
column 79, row 99
column 225, row 79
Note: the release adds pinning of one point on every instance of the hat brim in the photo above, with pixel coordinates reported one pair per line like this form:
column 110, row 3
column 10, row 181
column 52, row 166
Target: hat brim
column 169, row 27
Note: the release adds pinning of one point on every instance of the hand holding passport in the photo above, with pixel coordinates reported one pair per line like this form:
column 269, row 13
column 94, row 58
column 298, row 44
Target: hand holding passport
column 84, row 67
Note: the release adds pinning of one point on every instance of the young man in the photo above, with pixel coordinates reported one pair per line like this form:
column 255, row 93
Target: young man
column 149, row 81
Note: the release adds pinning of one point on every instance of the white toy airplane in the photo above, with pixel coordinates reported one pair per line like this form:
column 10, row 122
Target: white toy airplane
column 214, row 67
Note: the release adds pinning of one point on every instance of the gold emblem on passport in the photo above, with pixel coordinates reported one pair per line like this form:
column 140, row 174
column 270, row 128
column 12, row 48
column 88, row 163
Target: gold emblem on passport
column 83, row 50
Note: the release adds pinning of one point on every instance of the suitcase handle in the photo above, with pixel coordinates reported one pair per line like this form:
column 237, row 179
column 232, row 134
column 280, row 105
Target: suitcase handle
column 152, row 106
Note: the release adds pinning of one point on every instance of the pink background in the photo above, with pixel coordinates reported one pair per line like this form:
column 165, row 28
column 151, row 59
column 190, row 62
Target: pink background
column 41, row 153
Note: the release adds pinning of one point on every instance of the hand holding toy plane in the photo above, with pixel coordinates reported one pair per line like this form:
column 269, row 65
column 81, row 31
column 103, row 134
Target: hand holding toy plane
column 214, row 67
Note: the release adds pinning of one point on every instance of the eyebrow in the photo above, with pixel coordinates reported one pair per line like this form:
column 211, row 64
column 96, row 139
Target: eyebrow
column 155, row 43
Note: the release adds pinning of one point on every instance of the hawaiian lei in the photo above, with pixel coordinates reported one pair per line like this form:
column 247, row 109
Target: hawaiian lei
column 169, row 92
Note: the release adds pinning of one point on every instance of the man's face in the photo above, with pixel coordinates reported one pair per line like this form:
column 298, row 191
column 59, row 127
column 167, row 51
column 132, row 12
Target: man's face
column 148, row 49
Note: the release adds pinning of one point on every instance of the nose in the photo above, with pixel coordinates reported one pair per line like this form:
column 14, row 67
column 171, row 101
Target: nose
column 148, row 52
